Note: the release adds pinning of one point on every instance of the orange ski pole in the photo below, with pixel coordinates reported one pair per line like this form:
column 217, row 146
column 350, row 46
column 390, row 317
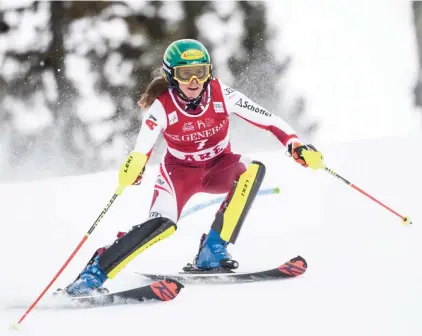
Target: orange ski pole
column 127, row 175
column 405, row 219
column 84, row 239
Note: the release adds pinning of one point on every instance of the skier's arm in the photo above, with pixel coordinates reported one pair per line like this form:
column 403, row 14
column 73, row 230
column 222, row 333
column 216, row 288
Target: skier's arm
column 245, row 108
column 153, row 124
column 241, row 105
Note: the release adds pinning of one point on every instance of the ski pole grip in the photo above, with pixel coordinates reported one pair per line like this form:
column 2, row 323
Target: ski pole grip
column 130, row 170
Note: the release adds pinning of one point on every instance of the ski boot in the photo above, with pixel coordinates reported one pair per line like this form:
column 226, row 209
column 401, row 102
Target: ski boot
column 89, row 282
column 212, row 256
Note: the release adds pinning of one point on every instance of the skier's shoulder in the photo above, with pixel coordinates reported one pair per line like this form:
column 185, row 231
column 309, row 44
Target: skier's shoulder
column 217, row 83
column 219, row 88
column 164, row 97
column 165, row 102
column 225, row 89
column 157, row 111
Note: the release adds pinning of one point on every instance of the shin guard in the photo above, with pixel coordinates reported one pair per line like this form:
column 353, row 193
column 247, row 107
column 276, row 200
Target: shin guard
column 137, row 240
column 233, row 211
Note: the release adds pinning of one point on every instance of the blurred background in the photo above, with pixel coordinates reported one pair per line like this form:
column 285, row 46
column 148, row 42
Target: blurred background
column 71, row 73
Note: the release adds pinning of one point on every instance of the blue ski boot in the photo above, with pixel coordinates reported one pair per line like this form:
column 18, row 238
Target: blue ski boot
column 89, row 282
column 213, row 253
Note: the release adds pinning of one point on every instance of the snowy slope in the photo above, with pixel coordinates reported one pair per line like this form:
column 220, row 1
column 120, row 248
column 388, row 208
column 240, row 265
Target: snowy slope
column 363, row 277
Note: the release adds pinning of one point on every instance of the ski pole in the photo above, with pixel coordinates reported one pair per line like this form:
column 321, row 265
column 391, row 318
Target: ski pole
column 127, row 176
column 68, row 260
column 198, row 207
column 405, row 219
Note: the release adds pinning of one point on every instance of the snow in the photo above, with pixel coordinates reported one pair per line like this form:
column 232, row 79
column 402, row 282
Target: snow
column 362, row 278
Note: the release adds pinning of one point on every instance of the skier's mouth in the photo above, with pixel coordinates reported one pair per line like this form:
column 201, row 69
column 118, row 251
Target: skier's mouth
column 193, row 89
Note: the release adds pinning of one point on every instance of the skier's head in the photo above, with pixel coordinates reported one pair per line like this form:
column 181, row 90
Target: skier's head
column 187, row 67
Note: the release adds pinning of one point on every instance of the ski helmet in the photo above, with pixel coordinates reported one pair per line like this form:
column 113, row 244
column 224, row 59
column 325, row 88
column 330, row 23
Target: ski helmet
column 185, row 60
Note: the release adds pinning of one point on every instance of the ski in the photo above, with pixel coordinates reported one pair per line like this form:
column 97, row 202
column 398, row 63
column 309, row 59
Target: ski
column 162, row 290
column 290, row 269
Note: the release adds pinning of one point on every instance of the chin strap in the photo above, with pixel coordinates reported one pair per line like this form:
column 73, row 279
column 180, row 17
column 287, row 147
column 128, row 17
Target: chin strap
column 191, row 104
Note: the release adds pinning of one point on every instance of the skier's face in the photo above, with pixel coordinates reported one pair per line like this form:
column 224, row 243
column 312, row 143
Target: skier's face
column 191, row 90
column 191, row 78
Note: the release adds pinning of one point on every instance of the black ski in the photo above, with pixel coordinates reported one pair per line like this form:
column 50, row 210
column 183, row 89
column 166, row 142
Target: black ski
column 162, row 290
column 290, row 269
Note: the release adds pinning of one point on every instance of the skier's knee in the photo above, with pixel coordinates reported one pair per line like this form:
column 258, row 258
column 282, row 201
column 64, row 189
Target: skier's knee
column 137, row 240
column 229, row 219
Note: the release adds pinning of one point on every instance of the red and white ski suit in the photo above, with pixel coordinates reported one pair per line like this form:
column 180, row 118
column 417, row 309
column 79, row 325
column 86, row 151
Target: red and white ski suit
column 198, row 156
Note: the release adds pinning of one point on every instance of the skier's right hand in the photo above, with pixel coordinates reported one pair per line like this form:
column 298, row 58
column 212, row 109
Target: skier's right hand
column 132, row 169
column 306, row 155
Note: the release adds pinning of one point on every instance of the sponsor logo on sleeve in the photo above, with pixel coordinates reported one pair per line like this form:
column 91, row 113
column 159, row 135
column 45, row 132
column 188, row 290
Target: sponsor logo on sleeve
column 228, row 91
column 246, row 105
column 151, row 122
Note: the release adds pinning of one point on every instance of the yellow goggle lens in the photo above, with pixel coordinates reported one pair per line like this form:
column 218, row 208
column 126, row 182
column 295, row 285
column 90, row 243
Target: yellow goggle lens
column 186, row 73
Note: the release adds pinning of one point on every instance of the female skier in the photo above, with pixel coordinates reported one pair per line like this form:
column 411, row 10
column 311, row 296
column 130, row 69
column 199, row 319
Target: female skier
column 191, row 109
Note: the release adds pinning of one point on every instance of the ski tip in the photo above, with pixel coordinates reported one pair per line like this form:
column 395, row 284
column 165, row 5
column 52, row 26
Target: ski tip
column 294, row 267
column 167, row 289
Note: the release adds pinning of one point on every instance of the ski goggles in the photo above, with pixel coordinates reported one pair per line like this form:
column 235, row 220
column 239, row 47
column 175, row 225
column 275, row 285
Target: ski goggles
column 187, row 73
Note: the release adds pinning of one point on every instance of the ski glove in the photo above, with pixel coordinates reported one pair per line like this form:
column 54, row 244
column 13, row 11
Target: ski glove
column 132, row 169
column 306, row 155
column 139, row 178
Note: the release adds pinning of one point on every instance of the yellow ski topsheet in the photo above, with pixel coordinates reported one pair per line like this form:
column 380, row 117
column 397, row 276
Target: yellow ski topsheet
column 238, row 201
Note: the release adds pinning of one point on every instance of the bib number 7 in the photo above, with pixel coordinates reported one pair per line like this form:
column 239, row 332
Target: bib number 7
column 201, row 144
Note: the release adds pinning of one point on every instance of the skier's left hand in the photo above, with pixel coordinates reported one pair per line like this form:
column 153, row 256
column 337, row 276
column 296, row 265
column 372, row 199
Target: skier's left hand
column 306, row 155
column 139, row 178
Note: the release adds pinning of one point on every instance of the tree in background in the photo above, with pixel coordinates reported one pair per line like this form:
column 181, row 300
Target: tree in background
column 71, row 73
column 417, row 20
